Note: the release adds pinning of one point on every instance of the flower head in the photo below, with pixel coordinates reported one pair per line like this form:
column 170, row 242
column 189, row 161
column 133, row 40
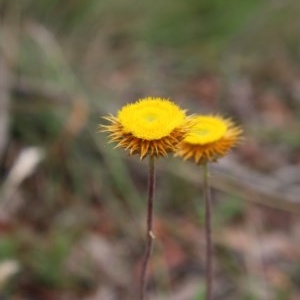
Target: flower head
column 150, row 126
column 209, row 138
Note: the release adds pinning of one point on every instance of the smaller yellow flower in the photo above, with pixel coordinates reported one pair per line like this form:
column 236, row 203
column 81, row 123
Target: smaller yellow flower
column 150, row 126
column 209, row 138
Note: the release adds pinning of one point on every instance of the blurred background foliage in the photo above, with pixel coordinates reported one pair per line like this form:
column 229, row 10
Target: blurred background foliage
column 73, row 226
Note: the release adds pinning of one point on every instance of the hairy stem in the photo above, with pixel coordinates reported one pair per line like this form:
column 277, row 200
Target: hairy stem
column 208, row 238
column 150, row 235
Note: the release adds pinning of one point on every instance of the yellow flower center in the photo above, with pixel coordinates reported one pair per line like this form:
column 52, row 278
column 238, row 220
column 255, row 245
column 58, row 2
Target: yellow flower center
column 207, row 129
column 151, row 118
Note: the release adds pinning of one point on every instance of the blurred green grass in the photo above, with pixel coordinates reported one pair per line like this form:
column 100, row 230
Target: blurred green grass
column 79, row 46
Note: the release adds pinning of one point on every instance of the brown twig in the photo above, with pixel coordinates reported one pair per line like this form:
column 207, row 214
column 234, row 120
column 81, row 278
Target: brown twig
column 208, row 238
column 150, row 235
column 233, row 178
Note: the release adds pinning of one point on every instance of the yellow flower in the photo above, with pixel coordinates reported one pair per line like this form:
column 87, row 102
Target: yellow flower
column 150, row 126
column 210, row 138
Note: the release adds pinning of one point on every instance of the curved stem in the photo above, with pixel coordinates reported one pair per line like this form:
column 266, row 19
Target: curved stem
column 208, row 239
column 150, row 235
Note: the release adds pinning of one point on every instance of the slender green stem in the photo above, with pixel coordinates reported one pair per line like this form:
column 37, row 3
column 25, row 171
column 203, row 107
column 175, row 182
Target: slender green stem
column 150, row 235
column 208, row 239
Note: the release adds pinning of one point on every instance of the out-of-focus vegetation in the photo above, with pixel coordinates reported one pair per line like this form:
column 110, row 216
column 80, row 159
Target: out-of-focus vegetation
column 72, row 226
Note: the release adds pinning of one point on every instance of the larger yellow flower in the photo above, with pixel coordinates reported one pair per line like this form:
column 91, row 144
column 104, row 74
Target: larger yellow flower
column 150, row 126
column 210, row 138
